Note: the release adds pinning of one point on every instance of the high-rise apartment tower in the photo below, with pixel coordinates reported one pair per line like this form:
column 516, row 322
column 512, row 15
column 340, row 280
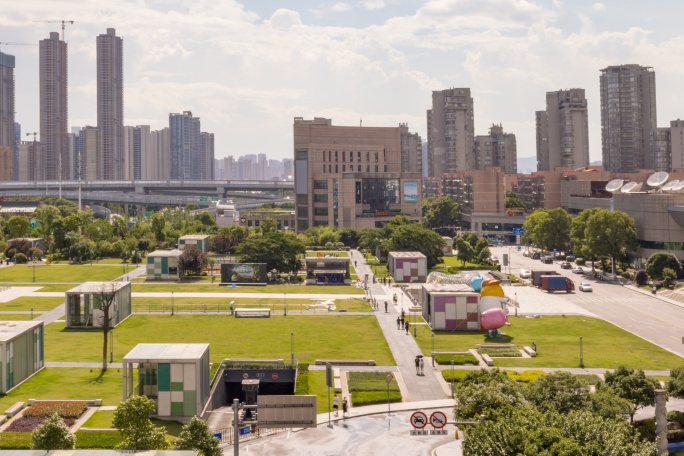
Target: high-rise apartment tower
column 54, row 114
column 451, row 132
column 7, row 134
column 110, row 103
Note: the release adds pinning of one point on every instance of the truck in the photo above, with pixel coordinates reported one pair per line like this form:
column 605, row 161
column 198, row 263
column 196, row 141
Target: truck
column 553, row 283
column 536, row 276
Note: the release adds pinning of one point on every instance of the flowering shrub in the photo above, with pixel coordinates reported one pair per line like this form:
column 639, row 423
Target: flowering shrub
column 70, row 409
column 29, row 423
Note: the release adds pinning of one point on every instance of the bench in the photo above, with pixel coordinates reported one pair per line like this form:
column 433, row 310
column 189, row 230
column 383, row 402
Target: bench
column 346, row 362
column 530, row 351
column 252, row 313
column 16, row 408
column 487, row 359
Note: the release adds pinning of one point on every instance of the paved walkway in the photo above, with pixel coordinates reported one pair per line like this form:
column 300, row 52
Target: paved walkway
column 403, row 346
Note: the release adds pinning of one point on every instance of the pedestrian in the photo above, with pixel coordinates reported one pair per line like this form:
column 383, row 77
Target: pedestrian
column 402, row 320
column 417, row 365
column 422, row 365
column 336, row 405
column 344, row 406
column 534, row 347
column 385, row 306
column 398, row 322
column 402, row 314
column 406, row 325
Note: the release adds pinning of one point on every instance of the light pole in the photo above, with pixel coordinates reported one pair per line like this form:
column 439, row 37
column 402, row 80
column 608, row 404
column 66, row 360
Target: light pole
column 389, row 379
column 34, row 270
column 433, row 350
column 111, row 345
column 414, row 324
column 581, row 354
column 285, row 302
column 452, row 378
column 292, row 347
column 172, row 303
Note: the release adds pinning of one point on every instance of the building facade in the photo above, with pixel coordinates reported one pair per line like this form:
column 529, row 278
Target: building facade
column 54, row 120
column 496, row 149
column 451, row 132
column 7, row 124
column 110, row 105
column 351, row 176
column 628, row 115
column 563, row 131
column 185, row 146
column 206, row 156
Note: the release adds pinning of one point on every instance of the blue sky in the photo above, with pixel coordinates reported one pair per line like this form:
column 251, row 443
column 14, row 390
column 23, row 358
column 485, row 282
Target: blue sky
column 248, row 68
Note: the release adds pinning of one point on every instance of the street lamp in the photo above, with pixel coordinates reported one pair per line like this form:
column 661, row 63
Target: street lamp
column 581, row 354
column 285, row 302
column 389, row 379
column 414, row 324
column 172, row 303
column 292, row 347
column 452, row 378
column 433, row 349
column 34, row 270
column 111, row 345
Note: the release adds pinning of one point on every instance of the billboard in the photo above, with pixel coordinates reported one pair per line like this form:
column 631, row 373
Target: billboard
column 411, row 192
column 243, row 273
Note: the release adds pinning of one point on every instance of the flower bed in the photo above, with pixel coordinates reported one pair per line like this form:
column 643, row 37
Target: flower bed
column 65, row 409
column 500, row 352
column 29, row 423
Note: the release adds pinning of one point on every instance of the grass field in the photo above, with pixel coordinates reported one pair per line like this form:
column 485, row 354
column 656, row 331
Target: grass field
column 56, row 287
column 60, row 273
column 557, row 340
column 316, row 337
column 318, row 387
column 30, row 302
column 12, row 317
column 275, row 289
column 203, row 305
column 68, row 383
column 102, row 419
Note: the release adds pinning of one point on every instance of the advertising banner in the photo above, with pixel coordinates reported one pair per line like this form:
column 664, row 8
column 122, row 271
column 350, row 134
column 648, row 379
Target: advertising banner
column 243, row 273
column 410, row 192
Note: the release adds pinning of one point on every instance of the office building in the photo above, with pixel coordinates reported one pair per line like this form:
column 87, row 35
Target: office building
column 6, row 164
column 17, row 141
column 676, row 155
column 411, row 151
column 88, row 144
column 110, row 105
column 628, row 115
column 185, row 145
column 351, row 177
column 496, row 149
column 206, row 156
column 563, row 131
column 451, row 132
column 7, row 124
column 158, row 162
column 54, row 118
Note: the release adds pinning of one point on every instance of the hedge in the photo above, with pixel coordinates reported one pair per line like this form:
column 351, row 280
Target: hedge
column 360, row 398
column 302, row 379
column 459, row 360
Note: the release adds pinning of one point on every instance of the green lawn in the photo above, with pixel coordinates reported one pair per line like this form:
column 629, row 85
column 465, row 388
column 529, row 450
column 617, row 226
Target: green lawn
column 60, row 273
column 275, row 289
column 67, row 383
column 102, row 419
column 557, row 339
column 454, row 261
column 30, row 302
column 200, row 305
column 318, row 387
column 11, row 317
column 316, row 337
column 55, row 287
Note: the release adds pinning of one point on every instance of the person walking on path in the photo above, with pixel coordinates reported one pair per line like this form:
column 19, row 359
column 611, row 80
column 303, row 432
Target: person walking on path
column 344, row 406
column 417, row 366
column 402, row 321
column 336, row 405
column 385, row 306
column 422, row 365
column 406, row 326
column 399, row 323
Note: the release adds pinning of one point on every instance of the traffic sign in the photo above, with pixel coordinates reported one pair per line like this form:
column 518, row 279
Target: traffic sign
column 204, row 198
column 244, row 430
column 274, row 375
column 438, row 420
column 214, row 198
column 518, row 231
column 418, row 420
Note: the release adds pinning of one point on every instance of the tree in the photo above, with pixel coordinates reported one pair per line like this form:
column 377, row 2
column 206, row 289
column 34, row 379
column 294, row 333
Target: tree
column 268, row 225
column 560, row 391
column 611, row 234
column 370, row 238
column 657, row 262
column 52, row 434
column 132, row 419
column 438, row 212
column 349, row 237
column 196, row 435
column 483, row 392
column 279, row 250
column 633, row 385
column 464, row 249
column 675, row 386
column 158, row 225
column 578, row 233
column 416, row 238
column 513, row 201
column 104, row 300
column 549, row 229
column 192, row 260
column 47, row 216
column 321, row 235
column 18, row 226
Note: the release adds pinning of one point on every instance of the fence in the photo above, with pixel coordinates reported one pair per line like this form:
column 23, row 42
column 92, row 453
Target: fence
column 224, row 308
column 227, row 434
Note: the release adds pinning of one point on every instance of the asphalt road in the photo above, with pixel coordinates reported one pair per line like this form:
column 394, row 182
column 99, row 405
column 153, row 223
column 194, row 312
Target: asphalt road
column 652, row 319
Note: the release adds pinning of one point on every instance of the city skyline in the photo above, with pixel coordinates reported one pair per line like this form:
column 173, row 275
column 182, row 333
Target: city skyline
column 249, row 68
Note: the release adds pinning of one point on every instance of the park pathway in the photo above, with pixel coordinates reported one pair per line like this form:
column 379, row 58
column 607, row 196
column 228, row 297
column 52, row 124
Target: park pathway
column 403, row 346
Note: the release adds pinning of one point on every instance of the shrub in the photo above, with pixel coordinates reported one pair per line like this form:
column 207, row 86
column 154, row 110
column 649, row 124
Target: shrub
column 676, row 416
column 458, row 375
column 500, row 352
column 52, row 434
column 669, row 276
column 659, row 261
column 20, row 258
column 10, row 252
column 525, row 376
column 459, row 360
column 641, row 278
column 626, row 275
column 15, row 440
column 588, row 379
column 360, row 398
column 580, row 262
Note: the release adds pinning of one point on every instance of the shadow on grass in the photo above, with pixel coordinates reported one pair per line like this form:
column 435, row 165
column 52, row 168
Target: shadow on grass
column 81, row 330
column 98, row 379
column 504, row 339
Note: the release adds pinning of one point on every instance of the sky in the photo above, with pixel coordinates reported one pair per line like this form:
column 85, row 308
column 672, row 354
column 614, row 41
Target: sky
column 247, row 68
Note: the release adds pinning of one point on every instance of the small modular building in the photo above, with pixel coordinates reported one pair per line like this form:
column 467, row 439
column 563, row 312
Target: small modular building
column 163, row 265
column 448, row 248
column 200, row 240
column 327, row 270
column 451, row 307
column 174, row 376
column 84, row 304
column 21, row 352
column 407, row 266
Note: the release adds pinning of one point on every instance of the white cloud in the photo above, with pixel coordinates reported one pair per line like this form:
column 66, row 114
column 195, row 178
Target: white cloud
column 284, row 19
column 340, row 7
column 598, row 6
column 373, row 4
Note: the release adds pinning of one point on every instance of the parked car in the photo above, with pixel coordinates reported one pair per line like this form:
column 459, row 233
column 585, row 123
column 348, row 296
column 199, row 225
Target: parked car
column 560, row 256
column 495, row 260
column 535, row 256
column 566, row 265
column 578, row 270
column 525, row 274
column 527, row 253
column 548, row 260
column 585, row 287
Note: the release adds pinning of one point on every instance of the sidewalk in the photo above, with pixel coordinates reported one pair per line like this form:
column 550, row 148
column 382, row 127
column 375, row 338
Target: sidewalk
column 404, row 347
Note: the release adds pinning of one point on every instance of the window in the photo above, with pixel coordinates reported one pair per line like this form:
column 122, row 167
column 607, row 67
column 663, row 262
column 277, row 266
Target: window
column 335, row 155
column 323, row 155
column 376, row 157
column 320, row 185
column 367, row 156
column 368, row 168
column 321, row 211
column 344, row 168
column 376, row 168
column 330, row 168
column 358, row 156
column 336, row 168
column 323, row 167
column 351, row 156
column 344, row 157
column 359, row 168
column 320, row 198
column 329, row 155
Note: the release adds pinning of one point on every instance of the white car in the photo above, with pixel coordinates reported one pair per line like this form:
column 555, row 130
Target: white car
column 578, row 270
column 525, row 274
column 585, row 287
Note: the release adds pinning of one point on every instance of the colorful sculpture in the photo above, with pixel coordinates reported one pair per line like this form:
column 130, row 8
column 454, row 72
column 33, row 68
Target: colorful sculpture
column 493, row 314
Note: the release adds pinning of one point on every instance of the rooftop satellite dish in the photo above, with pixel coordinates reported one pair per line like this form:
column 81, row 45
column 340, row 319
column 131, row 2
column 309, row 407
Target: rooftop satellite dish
column 631, row 187
column 614, row 185
column 679, row 187
column 657, row 179
column 670, row 185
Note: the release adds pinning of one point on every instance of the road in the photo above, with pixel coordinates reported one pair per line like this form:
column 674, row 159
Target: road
column 656, row 320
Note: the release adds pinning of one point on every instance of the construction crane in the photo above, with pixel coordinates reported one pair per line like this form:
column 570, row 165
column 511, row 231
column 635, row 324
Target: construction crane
column 64, row 22
column 4, row 43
